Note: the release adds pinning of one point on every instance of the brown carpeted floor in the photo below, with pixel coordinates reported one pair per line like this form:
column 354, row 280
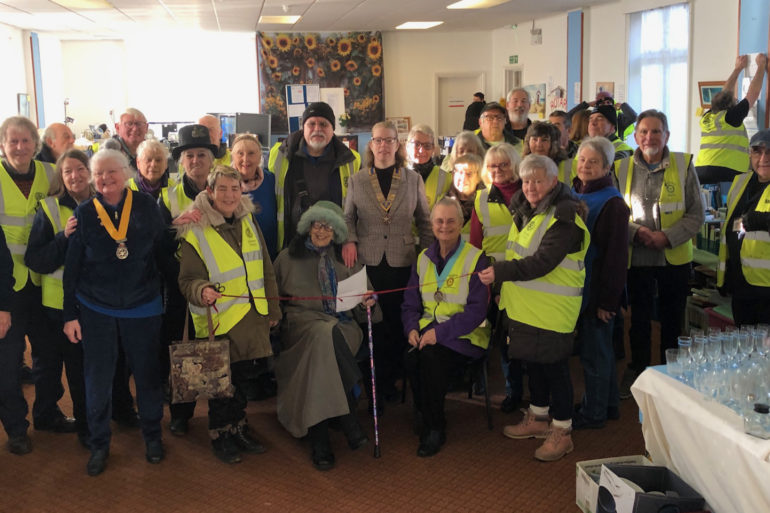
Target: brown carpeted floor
column 477, row 470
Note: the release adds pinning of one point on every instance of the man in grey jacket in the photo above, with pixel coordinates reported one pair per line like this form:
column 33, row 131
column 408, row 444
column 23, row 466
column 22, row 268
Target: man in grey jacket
column 663, row 193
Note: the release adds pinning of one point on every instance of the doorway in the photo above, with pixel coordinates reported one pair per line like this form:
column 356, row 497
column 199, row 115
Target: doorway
column 454, row 94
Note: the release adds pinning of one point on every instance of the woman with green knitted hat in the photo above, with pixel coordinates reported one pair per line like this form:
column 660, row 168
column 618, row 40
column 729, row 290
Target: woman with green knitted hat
column 316, row 369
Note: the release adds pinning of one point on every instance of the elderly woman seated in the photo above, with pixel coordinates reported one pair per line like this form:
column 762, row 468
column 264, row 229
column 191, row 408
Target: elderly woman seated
column 444, row 319
column 316, row 369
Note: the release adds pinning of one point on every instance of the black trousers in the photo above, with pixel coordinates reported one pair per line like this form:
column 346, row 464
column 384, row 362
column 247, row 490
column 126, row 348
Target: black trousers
column 672, row 284
column 58, row 352
column 550, row 384
column 389, row 339
column 747, row 312
column 429, row 371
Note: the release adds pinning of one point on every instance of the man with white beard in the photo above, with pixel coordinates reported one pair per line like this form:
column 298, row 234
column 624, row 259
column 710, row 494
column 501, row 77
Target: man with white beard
column 662, row 190
column 312, row 164
column 517, row 103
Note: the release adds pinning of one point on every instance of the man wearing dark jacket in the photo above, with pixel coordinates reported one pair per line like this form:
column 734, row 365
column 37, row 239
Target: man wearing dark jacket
column 310, row 165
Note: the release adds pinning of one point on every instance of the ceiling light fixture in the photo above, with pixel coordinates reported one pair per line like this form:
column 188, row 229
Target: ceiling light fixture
column 84, row 4
column 475, row 4
column 279, row 20
column 416, row 25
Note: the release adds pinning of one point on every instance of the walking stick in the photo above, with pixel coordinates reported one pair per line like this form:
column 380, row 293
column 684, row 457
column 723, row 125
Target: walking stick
column 374, row 386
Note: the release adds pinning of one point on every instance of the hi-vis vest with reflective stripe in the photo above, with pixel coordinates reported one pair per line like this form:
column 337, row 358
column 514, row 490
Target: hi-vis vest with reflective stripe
column 175, row 199
column 496, row 222
column 755, row 249
column 437, row 185
column 722, row 144
column 455, row 289
column 17, row 214
column 279, row 165
column 53, row 291
column 671, row 201
column 237, row 276
column 134, row 187
column 620, row 145
column 551, row 302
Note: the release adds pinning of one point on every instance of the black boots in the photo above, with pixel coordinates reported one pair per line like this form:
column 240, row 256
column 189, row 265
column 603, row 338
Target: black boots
column 322, row 455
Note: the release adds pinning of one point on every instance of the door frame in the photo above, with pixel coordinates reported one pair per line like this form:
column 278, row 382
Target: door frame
column 452, row 74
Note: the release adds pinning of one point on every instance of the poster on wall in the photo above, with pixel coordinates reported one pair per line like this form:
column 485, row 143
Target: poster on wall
column 537, row 93
column 557, row 99
column 606, row 87
column 351, row 61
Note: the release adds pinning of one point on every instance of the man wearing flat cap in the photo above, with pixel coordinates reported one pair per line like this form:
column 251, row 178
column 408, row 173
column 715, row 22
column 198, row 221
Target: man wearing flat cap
column 312, row 164
column 492, row 129
column 744, row 250
column 603, row 122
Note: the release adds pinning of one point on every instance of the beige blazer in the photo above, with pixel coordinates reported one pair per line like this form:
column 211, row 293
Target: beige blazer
column 395, row 240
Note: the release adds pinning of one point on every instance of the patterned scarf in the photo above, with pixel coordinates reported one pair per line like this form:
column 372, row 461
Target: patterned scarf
column 327, row 277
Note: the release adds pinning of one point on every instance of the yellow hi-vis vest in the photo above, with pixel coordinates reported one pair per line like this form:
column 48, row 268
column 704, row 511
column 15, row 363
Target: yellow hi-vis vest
column 17, row 214
column 278, row 164
column 437, row 185
column 496, row 222
column 551, row 302
column 722, row 144
column 175, row 199
column 755, row 250
column 671, row 201
column 567, row 171
column 620, row 145
column 238, row 276
column 455, row 289
column 53, row 290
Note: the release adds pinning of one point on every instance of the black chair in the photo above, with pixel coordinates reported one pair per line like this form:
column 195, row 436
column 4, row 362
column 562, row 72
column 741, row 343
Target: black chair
column 478, row 370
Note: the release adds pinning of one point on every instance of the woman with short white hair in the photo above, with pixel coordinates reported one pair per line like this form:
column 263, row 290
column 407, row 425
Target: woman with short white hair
column 541, row 285
column 151, row 161
column 111, row 293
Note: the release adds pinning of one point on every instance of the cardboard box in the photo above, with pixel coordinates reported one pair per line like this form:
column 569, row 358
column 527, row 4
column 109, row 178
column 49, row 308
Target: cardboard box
column 587, row 478
column 660, row 487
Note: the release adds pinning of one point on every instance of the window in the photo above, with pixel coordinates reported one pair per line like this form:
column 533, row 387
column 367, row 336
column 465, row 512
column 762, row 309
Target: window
column 657, row 66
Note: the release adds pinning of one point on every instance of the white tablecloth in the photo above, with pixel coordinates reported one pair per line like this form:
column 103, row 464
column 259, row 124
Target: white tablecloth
column 704, row 443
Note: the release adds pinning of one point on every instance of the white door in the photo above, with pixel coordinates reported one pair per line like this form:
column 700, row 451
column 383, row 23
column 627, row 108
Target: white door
column 455, row 93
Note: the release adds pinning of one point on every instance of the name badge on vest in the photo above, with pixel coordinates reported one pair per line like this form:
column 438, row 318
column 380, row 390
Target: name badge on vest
column 439, row 296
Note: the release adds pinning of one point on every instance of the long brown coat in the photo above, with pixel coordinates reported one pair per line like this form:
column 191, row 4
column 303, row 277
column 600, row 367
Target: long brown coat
column 250, row 338
column 309, row 385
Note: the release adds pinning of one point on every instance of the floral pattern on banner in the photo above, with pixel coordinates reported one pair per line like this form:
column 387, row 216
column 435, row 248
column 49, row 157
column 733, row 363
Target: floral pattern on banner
column 350, row 60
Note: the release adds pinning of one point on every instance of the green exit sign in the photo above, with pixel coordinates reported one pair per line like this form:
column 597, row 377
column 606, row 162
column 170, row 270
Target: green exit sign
column 513, row 59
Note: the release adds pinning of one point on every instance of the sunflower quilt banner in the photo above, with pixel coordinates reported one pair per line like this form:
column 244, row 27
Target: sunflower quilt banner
column 350, row 60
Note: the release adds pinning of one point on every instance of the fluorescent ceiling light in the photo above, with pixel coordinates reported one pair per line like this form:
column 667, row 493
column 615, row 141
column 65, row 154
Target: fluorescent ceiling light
column 279, row 20
column 475, row 4
column 84, row 4
column 419, row 25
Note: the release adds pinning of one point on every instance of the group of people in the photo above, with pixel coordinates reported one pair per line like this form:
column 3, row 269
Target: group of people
column 521, row 237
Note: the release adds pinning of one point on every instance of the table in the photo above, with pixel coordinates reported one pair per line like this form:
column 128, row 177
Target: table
column 704, row 443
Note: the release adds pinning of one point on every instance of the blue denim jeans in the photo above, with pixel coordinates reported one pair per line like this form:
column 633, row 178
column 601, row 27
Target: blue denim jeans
column 599, row 370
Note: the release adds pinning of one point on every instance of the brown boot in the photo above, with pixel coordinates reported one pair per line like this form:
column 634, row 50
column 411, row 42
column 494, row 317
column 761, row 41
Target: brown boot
column 556, row 445
column 531, row 426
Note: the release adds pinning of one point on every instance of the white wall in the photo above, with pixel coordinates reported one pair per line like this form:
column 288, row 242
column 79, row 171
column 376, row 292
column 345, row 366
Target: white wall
column 411, row 60
column 540, row 64
column 168, row 76
column 14, row 74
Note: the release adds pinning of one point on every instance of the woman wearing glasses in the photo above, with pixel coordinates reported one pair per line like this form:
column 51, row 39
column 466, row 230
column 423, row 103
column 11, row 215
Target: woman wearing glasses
column 490, row 223
column 384, row 200
column 316, row 369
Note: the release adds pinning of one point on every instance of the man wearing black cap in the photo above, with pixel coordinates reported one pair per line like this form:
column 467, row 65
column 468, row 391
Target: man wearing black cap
column 603, row 122
column 310, row 165
column 625, row 114
column 744, row 251
column 492, row 129
column 473, row 112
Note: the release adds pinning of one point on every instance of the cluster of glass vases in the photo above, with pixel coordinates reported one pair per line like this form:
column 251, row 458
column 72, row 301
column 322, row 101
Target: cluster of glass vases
column 730, row 366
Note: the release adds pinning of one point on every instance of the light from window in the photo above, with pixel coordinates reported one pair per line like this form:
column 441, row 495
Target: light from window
column 657, row 66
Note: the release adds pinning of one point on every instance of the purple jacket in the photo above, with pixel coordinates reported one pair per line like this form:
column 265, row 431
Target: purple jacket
column 448, row 333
